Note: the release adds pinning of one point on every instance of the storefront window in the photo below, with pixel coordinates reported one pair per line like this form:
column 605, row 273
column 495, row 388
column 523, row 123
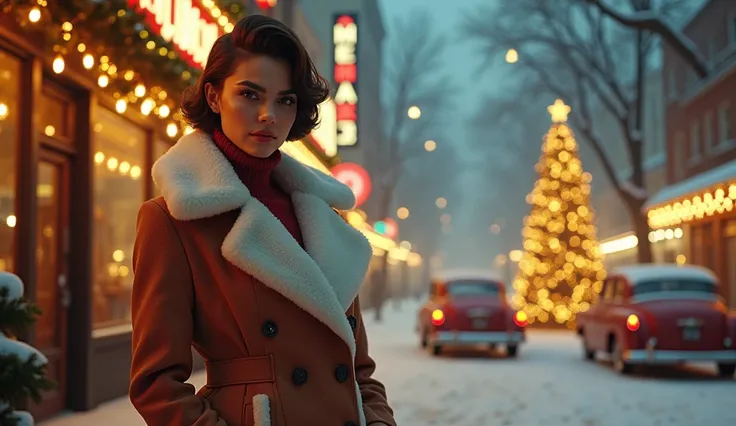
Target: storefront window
column 159, row 148
column 9, row 93
column 118, row 193
column 55, row 113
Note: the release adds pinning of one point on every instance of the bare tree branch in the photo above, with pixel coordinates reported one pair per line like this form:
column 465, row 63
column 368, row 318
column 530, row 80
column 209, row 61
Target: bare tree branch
column 649, row 22
column 588, row 74
column 412, row 76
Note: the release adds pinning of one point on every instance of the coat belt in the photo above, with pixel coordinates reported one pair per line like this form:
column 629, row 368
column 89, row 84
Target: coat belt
column 239, row 371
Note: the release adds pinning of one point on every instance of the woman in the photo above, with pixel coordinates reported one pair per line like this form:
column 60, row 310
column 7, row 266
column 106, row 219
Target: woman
column 245, row 259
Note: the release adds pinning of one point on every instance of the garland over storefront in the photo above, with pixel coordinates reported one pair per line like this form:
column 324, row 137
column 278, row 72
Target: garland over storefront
column 137, row 51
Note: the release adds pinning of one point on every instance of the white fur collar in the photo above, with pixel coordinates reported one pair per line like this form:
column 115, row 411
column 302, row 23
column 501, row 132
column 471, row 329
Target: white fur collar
column 197, row 182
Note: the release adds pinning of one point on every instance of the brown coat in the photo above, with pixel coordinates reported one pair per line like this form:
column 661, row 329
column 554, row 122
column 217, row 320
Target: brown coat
column 279, row 327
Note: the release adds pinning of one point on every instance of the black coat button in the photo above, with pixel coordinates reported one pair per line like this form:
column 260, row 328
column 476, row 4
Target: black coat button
column 350, row 424
column 353, row 322
column 270, row 329
column 342, row 372
column 299, row 376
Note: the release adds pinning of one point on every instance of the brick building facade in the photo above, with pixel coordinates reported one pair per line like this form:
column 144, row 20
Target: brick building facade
column 700, row 117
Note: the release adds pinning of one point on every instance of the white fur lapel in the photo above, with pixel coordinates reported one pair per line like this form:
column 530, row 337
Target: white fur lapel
column 197, row 182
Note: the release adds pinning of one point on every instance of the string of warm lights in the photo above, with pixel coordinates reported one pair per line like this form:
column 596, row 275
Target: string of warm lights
column 716, row 201
column 72, row 33
column 114, row 164
column 561, row 268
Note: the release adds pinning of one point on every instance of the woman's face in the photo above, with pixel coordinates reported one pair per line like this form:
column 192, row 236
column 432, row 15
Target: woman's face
column 257, row 105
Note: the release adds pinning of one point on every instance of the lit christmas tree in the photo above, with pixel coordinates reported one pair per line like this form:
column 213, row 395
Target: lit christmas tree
column 561, row 269
column 22, row 367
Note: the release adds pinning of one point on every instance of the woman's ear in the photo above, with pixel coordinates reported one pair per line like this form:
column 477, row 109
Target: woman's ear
column 213, row 98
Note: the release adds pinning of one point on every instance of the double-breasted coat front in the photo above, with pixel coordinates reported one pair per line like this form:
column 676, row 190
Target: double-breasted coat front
column 278, row 324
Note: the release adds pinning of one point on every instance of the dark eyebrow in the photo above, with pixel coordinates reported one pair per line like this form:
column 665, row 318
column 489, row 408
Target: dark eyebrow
column 262, row 89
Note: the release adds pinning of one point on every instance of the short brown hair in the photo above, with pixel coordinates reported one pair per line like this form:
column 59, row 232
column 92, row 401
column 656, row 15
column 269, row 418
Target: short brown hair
column 261, row 35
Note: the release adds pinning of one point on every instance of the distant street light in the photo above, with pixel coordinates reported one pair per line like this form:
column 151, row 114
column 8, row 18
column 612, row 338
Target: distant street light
column 402, row 213
column 441, row 203
column 446, row 219
column 414, row 112
column 515, row 255
column 430, row 146
column 512, row 56
column 496, row 228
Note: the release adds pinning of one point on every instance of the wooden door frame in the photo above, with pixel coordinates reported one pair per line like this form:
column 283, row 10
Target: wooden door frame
column 63, row 249
column 80, row 154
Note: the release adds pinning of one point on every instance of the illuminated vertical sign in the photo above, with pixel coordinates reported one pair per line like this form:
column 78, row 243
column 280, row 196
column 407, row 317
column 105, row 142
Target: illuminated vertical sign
column 345, row 40
column 184, row 23
column 326, row 131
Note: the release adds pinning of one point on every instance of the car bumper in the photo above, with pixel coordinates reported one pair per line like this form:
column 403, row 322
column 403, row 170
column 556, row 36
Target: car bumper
column 476, row 337
column 656, row 356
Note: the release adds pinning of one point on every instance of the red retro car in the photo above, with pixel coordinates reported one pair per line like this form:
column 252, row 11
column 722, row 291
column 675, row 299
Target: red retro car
column 469, row 308
column 660, row 314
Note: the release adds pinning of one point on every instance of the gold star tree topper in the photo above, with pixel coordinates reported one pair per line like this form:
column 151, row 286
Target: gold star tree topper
column 559, row 111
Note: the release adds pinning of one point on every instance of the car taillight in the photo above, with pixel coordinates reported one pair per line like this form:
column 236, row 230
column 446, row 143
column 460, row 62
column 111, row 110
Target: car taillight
column 438, row 317
column 632, row 322
column 521, row 319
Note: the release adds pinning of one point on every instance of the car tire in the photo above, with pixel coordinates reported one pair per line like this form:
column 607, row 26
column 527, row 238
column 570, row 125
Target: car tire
column 512, row 351
column 423, row 341
column 619, row 365
column 436, row 350
column 726, row 370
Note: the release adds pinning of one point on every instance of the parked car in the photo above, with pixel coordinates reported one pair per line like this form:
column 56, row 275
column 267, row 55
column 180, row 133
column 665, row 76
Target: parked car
column 469, row 308
column 660, row 314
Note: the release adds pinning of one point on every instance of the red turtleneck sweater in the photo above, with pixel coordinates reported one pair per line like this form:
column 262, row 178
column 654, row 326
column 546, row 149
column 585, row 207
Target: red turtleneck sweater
column 257, row 175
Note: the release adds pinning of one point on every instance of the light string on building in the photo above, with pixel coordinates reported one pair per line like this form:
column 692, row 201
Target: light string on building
column 113, row 164
column 715, row 201
column 629, row 241
column 72, row 32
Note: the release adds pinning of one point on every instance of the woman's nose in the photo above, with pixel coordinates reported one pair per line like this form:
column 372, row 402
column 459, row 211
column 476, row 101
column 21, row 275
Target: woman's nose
column 266, row 114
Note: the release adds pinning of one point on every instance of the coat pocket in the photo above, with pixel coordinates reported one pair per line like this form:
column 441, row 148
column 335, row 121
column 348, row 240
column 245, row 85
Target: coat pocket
column 258, row 412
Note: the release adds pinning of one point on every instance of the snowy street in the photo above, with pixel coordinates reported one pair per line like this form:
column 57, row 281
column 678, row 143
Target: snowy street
column 548, row 385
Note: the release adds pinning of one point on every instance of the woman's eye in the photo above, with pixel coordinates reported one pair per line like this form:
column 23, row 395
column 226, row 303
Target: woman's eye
column 288, row 101
column 250, row 94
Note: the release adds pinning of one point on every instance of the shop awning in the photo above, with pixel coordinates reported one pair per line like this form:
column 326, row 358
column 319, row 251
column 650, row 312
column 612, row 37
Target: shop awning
column 725, row 173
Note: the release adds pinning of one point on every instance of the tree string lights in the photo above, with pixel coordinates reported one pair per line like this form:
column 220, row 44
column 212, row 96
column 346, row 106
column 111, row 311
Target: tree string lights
column 561, row 269
column 111, row 41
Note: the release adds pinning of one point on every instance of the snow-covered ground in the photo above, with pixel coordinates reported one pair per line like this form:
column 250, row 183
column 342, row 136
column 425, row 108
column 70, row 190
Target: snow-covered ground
column 548, row 385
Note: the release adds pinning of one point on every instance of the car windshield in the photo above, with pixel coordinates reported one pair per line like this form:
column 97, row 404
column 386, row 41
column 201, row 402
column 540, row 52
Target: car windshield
column 674, row 286
column 461, row 288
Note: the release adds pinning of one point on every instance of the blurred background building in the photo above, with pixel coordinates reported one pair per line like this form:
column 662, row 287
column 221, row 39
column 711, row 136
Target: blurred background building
column 701, row 148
